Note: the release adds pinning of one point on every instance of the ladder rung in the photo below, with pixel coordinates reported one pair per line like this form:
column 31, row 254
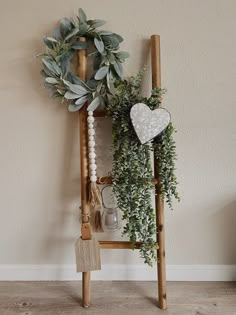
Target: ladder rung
column 108, row 180
column 120, row 245
column 99, row 113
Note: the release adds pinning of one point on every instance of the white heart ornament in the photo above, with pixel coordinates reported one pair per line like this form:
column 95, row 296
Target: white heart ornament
column 148, row 123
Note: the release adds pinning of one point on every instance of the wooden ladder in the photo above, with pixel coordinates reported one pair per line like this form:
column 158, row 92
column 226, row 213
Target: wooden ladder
column 159, row 207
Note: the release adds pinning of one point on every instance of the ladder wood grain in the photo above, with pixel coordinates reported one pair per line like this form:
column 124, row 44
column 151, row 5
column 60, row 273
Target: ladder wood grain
column 99, row 113
column 102, row 180
column 161, row 265
column 81, row 70
column 120, row 245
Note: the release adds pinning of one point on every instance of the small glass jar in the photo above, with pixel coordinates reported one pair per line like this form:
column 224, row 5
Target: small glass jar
column 111, row 217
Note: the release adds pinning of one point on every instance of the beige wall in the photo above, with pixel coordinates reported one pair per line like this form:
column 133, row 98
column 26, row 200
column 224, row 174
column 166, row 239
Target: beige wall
column 39, row 160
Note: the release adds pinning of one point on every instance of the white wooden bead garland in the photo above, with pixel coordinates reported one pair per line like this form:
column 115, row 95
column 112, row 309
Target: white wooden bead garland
column 91, row 133
column 95, row 195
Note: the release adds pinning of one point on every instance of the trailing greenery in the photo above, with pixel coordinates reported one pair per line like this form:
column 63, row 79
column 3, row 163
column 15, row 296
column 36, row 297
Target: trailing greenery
column 132, row 171
column 165, row 154
column 62, row 46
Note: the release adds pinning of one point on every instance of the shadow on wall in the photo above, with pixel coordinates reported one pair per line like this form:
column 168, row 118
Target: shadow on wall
column 66, row 226
column 62, row 221
column 225, row 219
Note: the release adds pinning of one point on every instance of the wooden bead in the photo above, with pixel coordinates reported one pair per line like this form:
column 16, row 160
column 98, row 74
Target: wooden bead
column 90, row 119
column 93, row 178
column 91, row 144
column 92, row 161
column 93, row 167
column 92, row 155
column 91, row 132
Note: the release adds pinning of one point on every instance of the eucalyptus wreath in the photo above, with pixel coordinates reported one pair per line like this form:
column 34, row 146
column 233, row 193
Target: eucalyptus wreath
column 60, row 49
column 132, row 170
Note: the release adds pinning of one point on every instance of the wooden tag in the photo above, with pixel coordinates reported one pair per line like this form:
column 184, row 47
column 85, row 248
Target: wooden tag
column 87, row 253
column 86, row 231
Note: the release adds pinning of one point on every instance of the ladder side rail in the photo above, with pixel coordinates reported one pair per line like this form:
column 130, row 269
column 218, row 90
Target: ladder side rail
column 84, row 163
column 159, row 204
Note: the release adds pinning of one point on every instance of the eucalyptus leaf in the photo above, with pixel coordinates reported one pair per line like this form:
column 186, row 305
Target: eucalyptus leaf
column 69, row 54
column 78, row 89
column 51, row 39
column 108, row 81
column 105, row 33
column 48, row 43
column 51, row 80
column 99, row 44
column 92, row 54
column 74, row 108
column 65, row 61
column 94, row 104
column 92, row 84
column 42, row 55
column 52, row 66
column 82, row 16
column 111, row 41
column 79, row 45
column 64, row 65
column 122, row 55
column 72, row 33
column 65, row 26
column 83, row 27
column 71, row 96
column 76, row 80
column 96, row 23
column 97, row 61
column 118, row 37
column 57, row 33
column 60, row 92
column 82, row 100
column 118, row 68
column 66, row 82
column 101, row 73
column 49, row 73
column 111, row 58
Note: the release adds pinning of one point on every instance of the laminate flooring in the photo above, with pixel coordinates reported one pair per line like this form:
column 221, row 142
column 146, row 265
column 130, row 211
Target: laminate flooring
column 117, row 298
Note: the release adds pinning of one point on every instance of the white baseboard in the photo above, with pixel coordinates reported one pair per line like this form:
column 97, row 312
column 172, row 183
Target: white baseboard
column 118, row 272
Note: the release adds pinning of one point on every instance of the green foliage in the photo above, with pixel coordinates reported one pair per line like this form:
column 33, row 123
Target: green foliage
column 132, row 171
column 165, row 154
column 61, row 47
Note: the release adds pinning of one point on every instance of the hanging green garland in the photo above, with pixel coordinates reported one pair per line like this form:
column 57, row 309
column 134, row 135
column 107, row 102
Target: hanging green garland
column 132, row 171
column 62, row 46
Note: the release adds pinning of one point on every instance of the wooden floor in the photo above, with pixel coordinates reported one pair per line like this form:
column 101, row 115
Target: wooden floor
column 117, row 297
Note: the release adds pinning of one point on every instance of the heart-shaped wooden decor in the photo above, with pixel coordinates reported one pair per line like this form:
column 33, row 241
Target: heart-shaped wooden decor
column 148, row 123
